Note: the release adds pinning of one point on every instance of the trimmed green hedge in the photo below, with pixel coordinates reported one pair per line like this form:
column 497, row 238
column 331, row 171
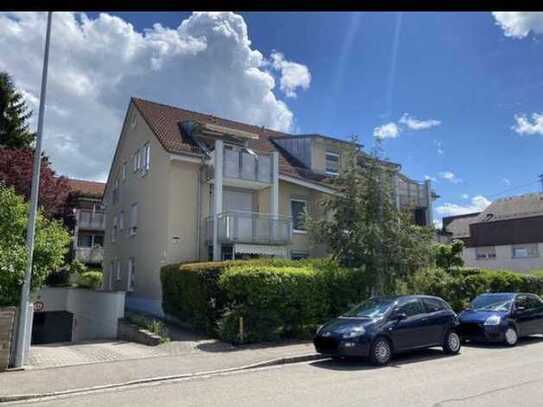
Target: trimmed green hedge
column 461, row 286
column 276, row 298
column 90, row 279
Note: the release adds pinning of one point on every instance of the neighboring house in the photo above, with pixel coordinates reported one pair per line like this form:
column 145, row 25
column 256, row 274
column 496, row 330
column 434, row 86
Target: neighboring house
column 89, row 226
column 187, row 186
column 507, row 235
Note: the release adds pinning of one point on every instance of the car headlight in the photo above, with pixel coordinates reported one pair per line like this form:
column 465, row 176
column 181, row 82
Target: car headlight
column 493, row 320
column 354, row 332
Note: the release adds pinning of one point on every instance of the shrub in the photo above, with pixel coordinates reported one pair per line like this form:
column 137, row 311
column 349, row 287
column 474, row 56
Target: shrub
column 151, row 324
column 90, row 279
column 59, row 278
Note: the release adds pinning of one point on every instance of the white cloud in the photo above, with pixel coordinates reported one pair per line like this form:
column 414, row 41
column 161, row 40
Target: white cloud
column 415, row 124
column 439, row 147
column 506, row 181
column 389, row 130
column 465, row 196
column 450, row 176
column 477, row 204
column 293, row 75
column 206, row 64
column 525, row 126
column 518, row 24
column 427, row 177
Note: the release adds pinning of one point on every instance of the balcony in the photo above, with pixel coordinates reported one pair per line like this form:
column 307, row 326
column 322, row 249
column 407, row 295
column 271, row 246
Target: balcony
column 244, row 169
column 90, row 255
column 413, row 194
column 251, row 228
column 91, row 220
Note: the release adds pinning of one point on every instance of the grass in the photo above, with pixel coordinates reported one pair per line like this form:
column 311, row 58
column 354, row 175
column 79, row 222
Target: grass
column 151, row 324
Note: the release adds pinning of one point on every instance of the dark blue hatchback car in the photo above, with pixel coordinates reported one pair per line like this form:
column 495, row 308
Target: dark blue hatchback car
column 502, row 317
column 381, row 326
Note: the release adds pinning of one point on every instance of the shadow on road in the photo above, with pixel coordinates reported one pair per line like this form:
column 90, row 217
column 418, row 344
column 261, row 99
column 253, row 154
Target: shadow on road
column 530, row 340
column 397, row 361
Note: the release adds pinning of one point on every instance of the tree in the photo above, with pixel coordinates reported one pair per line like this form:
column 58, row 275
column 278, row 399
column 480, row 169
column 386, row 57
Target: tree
column 447, row 256
column 14, row 115
column 51, row 245
column 364, row 229
column 16, row 171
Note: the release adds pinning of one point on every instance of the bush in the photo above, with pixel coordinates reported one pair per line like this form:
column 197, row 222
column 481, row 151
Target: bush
column 90, row 279
column 151, row 324
column 275, row 297
column 59, row 278
column 463, row 285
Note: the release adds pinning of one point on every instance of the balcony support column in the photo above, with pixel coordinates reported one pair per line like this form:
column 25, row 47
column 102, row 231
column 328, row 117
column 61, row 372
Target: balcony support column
column 428, row 192
column 217, row 196
column 274, row 195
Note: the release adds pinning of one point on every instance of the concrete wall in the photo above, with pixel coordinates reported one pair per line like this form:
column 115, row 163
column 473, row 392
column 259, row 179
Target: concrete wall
column 96, row 313
column 504, row 260
column 7, row 337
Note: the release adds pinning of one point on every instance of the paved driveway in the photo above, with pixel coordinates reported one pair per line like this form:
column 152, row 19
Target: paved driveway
column 67, row 354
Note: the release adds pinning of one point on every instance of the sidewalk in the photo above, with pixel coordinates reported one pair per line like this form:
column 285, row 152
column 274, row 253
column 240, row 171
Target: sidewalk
column 58, row 379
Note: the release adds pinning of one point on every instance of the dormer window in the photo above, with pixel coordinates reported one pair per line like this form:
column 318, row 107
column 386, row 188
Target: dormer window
column 332, row 163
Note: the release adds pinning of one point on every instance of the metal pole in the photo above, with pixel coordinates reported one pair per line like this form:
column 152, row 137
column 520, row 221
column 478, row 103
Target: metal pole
column 32, row 210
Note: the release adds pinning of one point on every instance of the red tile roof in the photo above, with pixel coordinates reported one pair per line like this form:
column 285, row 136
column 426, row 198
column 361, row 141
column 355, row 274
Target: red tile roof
column 164, row 122
column 87, row 188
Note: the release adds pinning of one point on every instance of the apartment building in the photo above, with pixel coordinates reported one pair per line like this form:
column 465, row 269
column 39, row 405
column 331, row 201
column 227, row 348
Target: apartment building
column 507, row 235
column 89, row 221
column 187, row 186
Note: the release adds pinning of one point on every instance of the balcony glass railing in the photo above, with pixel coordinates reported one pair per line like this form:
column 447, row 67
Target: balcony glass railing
column 244, row 165
column 412, row 194
column 93, row 255
column 90, row 220
column 250, row 227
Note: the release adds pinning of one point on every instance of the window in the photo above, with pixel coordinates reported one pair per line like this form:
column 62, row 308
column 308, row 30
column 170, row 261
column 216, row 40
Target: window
column 84, row 241
column 297, row 210
column 299, row 254
column 131, row 280
column 411, row 308
column 114, row 229
column 98, row 240
column 116, row 191
column 433, row 305
column 133, row 219
column 121, row 221
column 118, row 270
column 332, row 163
column 136, row 161
column 485, row 253
column 524, row 251
column 123, row 171
column 110, row 276
column 146, row 157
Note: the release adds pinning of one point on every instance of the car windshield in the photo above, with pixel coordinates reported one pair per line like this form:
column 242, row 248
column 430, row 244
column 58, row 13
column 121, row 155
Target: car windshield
column 492, row 302
column 372, row 308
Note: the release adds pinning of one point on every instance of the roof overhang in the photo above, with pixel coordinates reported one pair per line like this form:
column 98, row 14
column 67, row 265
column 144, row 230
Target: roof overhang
column 216, row 129
column 307, row 184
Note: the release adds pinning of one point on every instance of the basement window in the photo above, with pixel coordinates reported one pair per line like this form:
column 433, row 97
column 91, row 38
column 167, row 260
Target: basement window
column 525, row 251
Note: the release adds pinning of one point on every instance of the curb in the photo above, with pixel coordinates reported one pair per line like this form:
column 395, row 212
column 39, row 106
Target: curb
column 267, row 363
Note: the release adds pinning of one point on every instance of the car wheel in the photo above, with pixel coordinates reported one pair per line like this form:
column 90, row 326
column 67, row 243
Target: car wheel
column 380, row 352
column 511, row 336
column 452, row 343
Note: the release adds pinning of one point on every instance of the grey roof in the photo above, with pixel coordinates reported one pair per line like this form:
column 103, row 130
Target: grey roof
column 515, row 207
column 458, row 226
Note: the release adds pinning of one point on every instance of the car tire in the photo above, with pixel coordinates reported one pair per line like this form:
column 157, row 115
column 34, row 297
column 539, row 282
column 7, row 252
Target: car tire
column 511, row 336
column 380, row 351
column 452, row 343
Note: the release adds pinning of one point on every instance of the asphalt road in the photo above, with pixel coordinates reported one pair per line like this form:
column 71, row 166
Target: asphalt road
column 480, row 376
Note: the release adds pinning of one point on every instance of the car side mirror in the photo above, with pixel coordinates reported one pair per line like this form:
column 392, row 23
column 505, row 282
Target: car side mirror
column 399, row 316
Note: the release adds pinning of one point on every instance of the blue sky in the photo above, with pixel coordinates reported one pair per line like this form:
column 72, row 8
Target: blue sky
column 465, row 78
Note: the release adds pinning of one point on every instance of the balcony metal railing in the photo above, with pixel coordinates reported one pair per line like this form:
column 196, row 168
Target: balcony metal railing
column 250, row 227
column 92, row 255
column 90, row 220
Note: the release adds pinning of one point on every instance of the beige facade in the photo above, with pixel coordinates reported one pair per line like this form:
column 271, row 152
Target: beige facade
column 170, row 215
column 504, row 257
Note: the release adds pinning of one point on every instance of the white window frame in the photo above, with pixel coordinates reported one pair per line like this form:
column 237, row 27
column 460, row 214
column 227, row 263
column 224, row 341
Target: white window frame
column 121, row 221
column 123, row 171
column 118, row 274
column 131, row 283
column 336, row 155
column 114, row 229
column 136, row 160
column 146, row 158
column 294, row 230
column 134, row 208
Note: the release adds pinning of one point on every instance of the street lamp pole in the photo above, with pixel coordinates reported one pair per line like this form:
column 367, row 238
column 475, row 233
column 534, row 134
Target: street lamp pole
column 22, row 340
